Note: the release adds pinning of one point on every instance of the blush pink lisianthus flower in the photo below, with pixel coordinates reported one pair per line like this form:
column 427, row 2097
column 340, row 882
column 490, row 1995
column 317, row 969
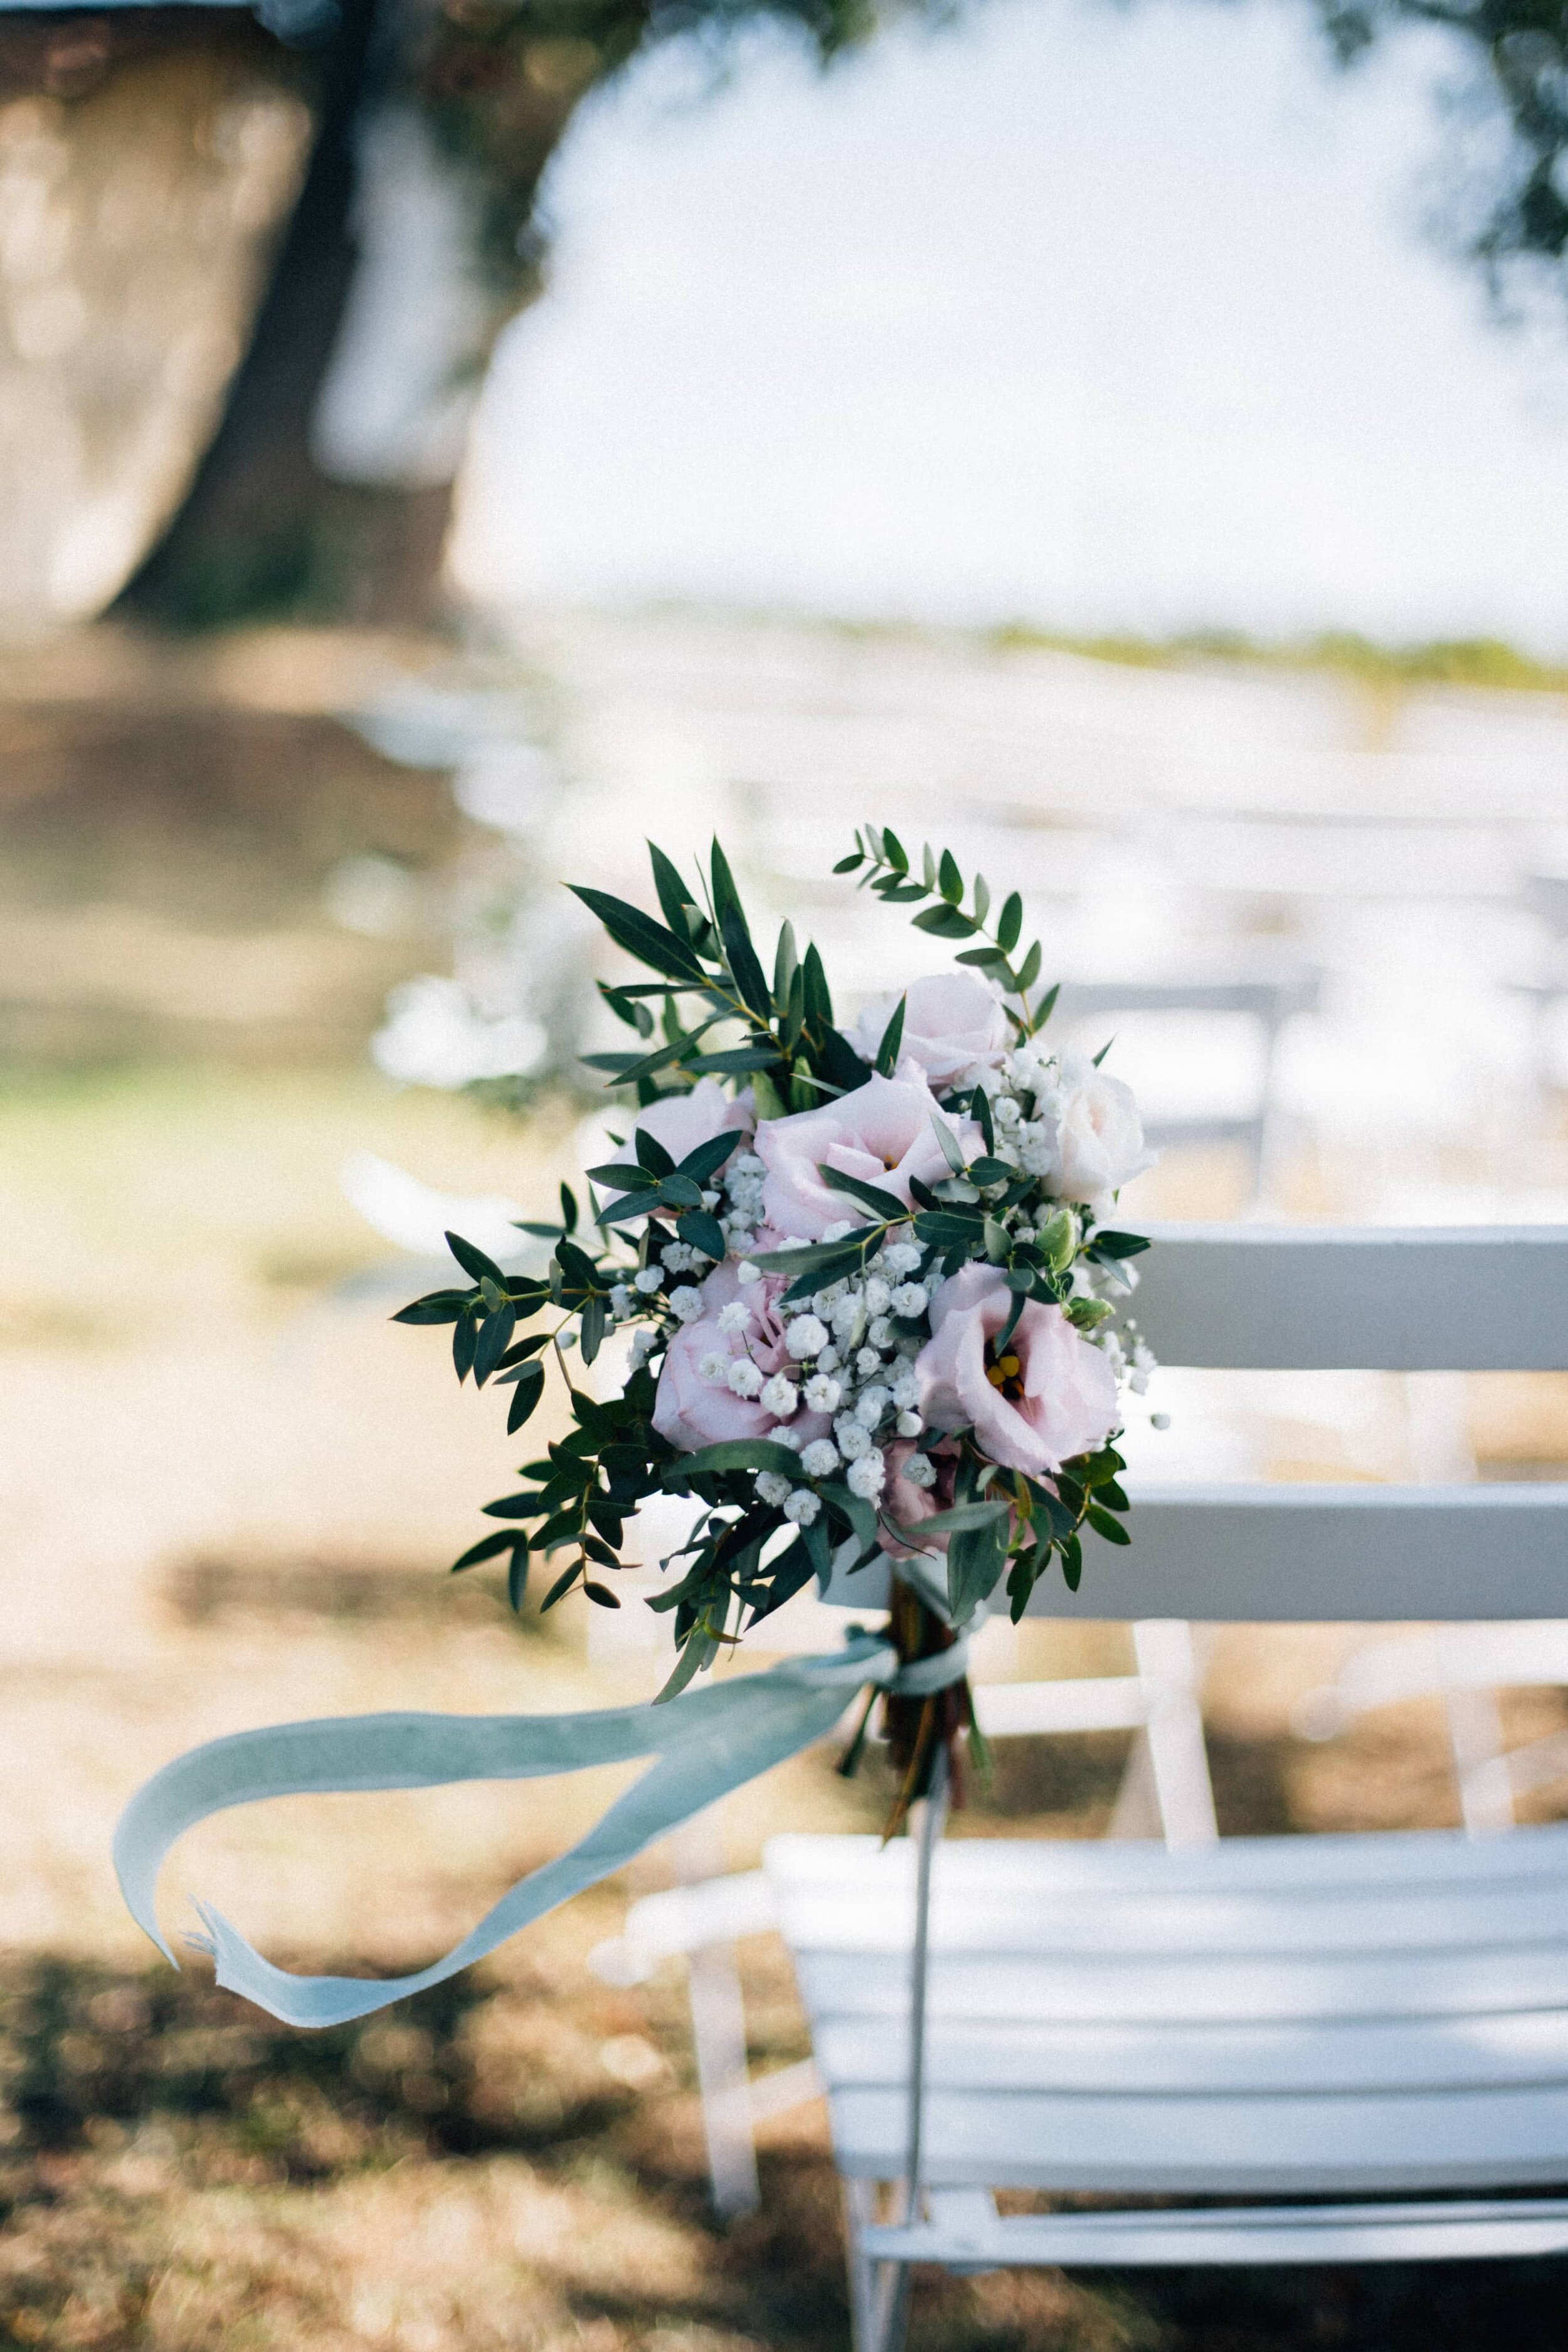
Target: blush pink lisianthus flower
column 681, row 1122
column 1061, row 1401
column 881, row 1132
column 693, row 1411
column 953, row 1027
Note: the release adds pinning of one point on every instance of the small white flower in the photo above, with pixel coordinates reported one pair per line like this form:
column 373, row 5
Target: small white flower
column 771, row 1487
column 868, row 1477
column 868, row 1363
column 908, row 1424
column 920, row 1470
column 900, row 1257
column 836, row 1231
column 806, row 1336
column 819, row 1459
column 1005, row 1111
column 620, row 1301
column 642, row 1347
column 685, row 1303
column 715, row 1365
column 822, row 1394
column 784, row 1435
column 748, row 1271
column 828, row 1359
column 802, row 1506
column 870, row 1406
column 735, row 1317
column 781, row 1396
column 1157, row 1420
column 710, row 1200
column 826, row 1300
column 879, row 1332
column 848, row 1316
column 566, row 1340
column 876, row 1296
column 853, row 1441
column 646, row 1280
column 906, row 1388
column 910, row 1299
column 746, row 1163
column 744, row 1377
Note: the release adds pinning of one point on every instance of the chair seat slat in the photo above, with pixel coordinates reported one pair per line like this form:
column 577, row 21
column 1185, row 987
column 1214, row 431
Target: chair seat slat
column 1454, row 2231
column 1401, row 1985
column 1136, row 2144
column 1312, row 2053
column 1370, row 1863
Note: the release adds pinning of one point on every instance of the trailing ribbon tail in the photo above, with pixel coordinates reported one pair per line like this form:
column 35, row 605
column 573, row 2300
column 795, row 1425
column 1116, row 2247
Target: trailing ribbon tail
column 705, row 1743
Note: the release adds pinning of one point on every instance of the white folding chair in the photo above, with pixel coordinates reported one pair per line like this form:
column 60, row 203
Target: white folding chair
column 701, row 1917
column 1377, row 2021
column 1466, row 1667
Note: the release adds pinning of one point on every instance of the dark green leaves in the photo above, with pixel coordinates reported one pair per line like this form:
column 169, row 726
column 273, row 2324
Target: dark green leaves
column 702, row 1231
column 641, row 936
column 528, row 1389
column 887, row 1060
column 474, row 1261
column 488, row 1548
column 436, row 1307
column 883, row 865
column 735, row 932
column 871, row 1196
column 734, row 1454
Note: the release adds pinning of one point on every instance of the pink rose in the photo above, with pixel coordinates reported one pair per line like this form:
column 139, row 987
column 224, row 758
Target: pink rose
column 907, row 1504
column 1058, row 1401
column 693, row 1411
column 881, row 1132
column 953, row 1027
column 681, row 1122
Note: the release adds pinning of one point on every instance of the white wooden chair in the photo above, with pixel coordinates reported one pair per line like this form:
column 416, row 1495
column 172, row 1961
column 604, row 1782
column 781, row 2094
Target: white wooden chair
column 1466, row 1667
column 702, row 1915
column 1378, row 2021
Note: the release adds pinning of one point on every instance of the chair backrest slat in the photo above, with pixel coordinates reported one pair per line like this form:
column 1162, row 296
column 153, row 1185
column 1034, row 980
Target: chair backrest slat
column 1437, row 1299
column 1312, row 1554
column 1251, row 1298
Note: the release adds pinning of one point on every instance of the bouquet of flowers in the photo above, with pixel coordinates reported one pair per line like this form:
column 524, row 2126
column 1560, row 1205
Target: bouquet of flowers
column 865, row 1277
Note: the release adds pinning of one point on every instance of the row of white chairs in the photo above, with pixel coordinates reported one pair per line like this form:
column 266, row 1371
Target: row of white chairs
column 1379, row 2021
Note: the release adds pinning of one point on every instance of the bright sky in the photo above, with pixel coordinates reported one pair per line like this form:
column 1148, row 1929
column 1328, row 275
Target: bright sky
column 1098, row 319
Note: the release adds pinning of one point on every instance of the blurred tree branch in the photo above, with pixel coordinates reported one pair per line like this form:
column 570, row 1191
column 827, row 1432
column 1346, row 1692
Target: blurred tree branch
column 495, row 84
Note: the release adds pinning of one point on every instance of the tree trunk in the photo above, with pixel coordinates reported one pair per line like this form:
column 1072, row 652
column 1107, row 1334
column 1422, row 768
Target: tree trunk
column 264, row 525
column 261, row 527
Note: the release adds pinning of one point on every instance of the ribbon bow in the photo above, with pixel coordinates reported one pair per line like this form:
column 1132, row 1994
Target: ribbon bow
column 705, row 1743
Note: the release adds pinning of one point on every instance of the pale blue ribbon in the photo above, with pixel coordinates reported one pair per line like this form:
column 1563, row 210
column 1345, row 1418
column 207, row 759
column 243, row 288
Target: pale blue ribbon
column 706, row 1742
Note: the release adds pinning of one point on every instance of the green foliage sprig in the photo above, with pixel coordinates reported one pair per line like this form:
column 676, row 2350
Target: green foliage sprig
column 883, row 864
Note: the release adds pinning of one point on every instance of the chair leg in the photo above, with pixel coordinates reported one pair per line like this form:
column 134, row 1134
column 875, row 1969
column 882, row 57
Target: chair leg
column 719, row 2036
column 861, row 2208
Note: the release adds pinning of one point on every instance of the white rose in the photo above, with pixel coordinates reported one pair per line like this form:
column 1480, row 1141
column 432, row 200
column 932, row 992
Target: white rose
column 1097, row 1145
column 953, row 1027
